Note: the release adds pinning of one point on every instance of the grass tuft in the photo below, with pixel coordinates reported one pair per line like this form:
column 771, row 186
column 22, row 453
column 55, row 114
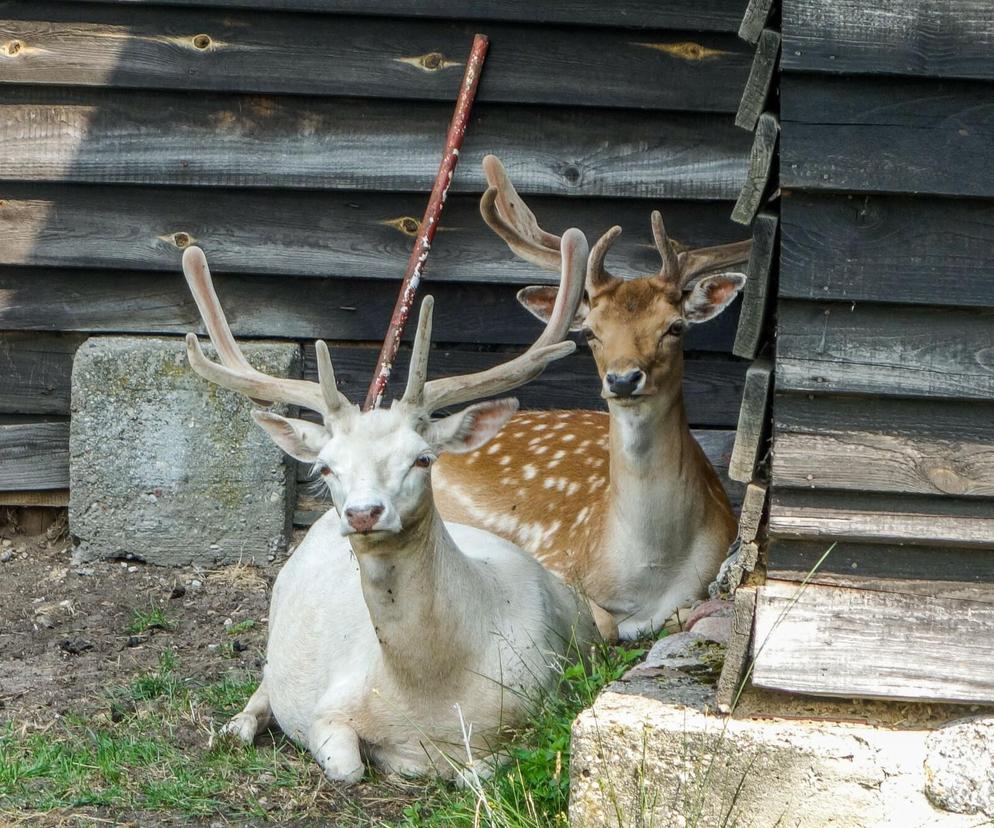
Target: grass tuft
column 152, row 618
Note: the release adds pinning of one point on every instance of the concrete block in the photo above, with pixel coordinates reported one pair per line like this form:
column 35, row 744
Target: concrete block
column 167, row 468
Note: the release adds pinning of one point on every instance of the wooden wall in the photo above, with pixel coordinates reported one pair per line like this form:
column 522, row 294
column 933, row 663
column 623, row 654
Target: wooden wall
column 295, row 141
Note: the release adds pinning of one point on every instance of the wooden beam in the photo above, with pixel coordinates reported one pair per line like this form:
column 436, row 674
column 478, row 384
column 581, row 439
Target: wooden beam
column 734, row 672
column 750, row 437
column 131, row 137
column 884, row 350
column 760, row 287
column 66, row 44
column 57, row 498
column 360, row 235
column 34, row 372
column 757, row 13
column 760, row 80
column 895, row 249
column 98, row 301
column 688, row 15
column 937, row 38
column 832, row 641
column 760, row 178
column 879, row 445
column 753, row 512
column 34, row 454
column 875, row 135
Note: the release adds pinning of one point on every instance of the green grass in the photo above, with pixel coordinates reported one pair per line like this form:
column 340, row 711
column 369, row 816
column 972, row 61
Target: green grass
column 152, row 618
column 241, row 627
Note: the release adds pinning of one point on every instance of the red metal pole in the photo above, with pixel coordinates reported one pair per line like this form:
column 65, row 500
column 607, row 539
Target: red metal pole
column 429, row 223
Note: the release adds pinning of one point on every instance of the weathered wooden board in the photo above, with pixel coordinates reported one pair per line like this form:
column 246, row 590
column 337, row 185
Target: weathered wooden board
column 352, row 234
column 877, row 445
column 761, row 74
column 50, row 498
column 760, row 287
column 712, row 387
column 734, row 672
column 761, row 176
column 97, row 301
column 694, row 15
column 246, row 51
column 34, row 454
column 750, row 445
column 885, row 350
column 754, row 20
column 921, row 251
column 938, row 38
column 882, row 519
column 832, row 641
column 34, row 372
column 753, row 512
column 131, row 137
column 877, row 135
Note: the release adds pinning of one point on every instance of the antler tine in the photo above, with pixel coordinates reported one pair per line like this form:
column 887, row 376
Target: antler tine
column 547, row 348
column 597, row 276
column 418, row 372
column 235, row 373
column 509, row 217
column 695, row 262
column 670, row 267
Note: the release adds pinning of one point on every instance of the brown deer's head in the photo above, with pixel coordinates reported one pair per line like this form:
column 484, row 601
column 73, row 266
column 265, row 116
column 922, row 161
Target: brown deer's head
column 634, row 326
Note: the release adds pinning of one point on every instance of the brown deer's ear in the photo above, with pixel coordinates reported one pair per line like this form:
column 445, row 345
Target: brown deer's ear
column 711, row 295
column 540, row 300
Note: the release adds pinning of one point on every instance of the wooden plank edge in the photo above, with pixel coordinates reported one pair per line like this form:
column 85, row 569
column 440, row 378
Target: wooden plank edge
column 51, row 497
column 757, row 296
column 757, row 13
column 757, row 86
column 761, row 157
column 752, row 428
column 735, row 670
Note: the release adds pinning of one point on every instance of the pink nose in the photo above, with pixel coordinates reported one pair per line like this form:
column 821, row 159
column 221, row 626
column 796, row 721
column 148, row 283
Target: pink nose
column 363, row 518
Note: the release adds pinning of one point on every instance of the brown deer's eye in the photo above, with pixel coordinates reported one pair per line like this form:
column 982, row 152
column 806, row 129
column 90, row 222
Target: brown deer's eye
column 423, row 461
column 589, row 335
column 677, row 328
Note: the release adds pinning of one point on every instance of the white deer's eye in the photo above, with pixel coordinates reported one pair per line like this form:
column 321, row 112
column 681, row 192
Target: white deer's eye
column 325, row 470
column 423, row 461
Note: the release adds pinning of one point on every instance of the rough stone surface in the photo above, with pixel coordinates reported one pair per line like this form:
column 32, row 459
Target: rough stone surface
column 167, row 468
column 959, row 766
column 652, row 751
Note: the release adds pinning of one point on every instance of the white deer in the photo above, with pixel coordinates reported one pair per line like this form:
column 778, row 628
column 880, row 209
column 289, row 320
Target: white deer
column 624, row 504
column 389, row 629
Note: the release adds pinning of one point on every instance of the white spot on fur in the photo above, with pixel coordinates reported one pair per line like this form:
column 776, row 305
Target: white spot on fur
column 529, row 471
column 493, row 449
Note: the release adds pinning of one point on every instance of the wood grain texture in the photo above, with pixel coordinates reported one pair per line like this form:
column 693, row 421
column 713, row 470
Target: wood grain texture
column 878, row 445
column 859, row 642
column 352, row 234
column 98, row 301
column 34, row 454
column 131, row 137
column 917, row 251
column 760, row 288
column 938, row 38
column 750, row 442
column 751, row 518
column 34, row 372
column 757, row 14
column 694, row 15
column 760, row 80
column 734, row 670
column 761, row 178
column 51, row 498
column 878, row 135
column 247, row 51
column 885, row 350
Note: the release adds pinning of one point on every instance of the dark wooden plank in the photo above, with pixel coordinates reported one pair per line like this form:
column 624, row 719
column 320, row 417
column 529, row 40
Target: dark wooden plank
column 34, row 372
column 761, row 176
column 247, row 51
column 831, row 347
column 712, row 387
column 750, row 436
column 859, row 642
column 877, row 135
column 34, row 454
column 921, row 251
column 867, row 444
column 96, row 301
column 937, row 38
column 695, row 15
column 757, row 13
column 761, row 74
column 356, row 235
column 130, row 137
column 760, row 288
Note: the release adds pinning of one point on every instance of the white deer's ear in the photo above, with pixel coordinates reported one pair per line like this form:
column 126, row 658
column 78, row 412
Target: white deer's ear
column 711, row 295
column 298, row 438
column 470, row 428
column 540, row 300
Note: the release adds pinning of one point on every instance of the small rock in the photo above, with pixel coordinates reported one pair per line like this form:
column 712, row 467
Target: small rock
column 75, row 646
column 959, row 766
column 677, row 650
column 6, row 543
column 6, row 556
column 136, row 640
column 195, row 584
column 238, row 646
column 178, row 592
column 716, row 628
column 213, row 647
column 708, row 609
column 132, row 569
column 228, row 622
column 85, row 571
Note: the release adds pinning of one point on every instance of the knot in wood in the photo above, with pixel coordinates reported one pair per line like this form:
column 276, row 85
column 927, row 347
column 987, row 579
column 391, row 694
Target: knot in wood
column 201, row 41
column 571, row 174
column 433, row 60
column 181, row 240
column 12, row 48
column 948, row 481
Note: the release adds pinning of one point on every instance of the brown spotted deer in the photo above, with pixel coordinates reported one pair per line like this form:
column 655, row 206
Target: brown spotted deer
column 624, row 504
column 394, row 636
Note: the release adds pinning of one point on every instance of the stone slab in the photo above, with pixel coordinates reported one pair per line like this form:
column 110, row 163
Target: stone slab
column 167, row 468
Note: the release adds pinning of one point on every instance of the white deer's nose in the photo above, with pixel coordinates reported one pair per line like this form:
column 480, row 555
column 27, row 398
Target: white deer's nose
column 367, row 512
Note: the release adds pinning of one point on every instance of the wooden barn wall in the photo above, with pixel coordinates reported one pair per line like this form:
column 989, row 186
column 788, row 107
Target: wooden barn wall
column 295, row 141
column 883, row 412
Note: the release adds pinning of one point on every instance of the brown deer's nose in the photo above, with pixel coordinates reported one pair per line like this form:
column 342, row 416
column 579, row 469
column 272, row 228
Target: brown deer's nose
column 363, row 518
column 624, row 385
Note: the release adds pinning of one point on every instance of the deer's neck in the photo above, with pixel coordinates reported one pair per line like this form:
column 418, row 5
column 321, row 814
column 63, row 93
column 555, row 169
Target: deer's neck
column 418, row 588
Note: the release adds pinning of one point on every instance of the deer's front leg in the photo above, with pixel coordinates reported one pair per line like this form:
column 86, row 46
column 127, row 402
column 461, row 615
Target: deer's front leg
column 255, row 717
column 335, row 746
